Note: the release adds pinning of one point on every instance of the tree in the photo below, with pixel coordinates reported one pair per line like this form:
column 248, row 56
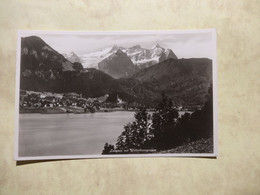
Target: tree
column 141, row 127
column 199, row 124
column 125, row 140
column 136, row 133
column 163, row 123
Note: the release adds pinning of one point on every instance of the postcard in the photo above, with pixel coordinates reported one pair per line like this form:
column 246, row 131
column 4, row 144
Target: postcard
column 115, row 94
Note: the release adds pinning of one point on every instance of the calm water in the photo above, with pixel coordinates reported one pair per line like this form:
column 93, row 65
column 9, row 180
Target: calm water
column 69, row 134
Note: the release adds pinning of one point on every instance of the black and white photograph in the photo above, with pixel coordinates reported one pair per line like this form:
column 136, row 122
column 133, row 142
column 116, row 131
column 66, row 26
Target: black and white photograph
column 115, row 94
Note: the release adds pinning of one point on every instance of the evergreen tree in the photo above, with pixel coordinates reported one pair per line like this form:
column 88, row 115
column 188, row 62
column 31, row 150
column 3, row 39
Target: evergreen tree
column 199, row 124
column 163, row 123
column 125, row 140
column 141, row 126
column 136, row 133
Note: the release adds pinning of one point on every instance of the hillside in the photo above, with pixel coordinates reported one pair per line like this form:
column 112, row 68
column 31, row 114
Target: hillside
column 117, row 65
column 185, row 80
column 43, row 60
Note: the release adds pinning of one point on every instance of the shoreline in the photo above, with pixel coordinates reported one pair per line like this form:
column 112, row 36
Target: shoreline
column 66, row 110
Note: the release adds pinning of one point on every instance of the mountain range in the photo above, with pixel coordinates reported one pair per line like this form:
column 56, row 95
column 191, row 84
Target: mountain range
column 140, row 57
column 186, row 81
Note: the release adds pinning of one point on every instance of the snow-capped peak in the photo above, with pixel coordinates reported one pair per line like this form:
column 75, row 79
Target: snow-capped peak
column 156, row 46
column 72, row 57
column 114, row 48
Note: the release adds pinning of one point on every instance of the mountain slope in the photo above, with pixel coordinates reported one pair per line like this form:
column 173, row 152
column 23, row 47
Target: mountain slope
column 185, row 80
column 117, row 65
column 144, row 58
column 91, row 60
column 72, row 57
column 37, row 55
column 42, row 67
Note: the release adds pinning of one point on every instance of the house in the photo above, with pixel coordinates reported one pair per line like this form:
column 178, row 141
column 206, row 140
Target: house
column 120, row 102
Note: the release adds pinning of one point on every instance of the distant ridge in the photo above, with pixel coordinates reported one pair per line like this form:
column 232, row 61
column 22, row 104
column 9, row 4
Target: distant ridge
column 185, row 80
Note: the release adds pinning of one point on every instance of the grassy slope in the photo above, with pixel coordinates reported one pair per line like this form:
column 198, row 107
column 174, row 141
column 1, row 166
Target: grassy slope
column 199, row 146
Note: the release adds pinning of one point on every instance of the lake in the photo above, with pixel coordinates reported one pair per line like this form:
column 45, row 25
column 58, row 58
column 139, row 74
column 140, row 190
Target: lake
column 70, row 134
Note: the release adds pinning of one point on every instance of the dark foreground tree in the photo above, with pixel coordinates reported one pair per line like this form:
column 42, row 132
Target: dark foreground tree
column 200, row 123
column 136, row 133
column 163, row 124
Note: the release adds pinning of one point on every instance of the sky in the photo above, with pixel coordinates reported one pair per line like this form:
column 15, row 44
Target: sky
column 185, row 44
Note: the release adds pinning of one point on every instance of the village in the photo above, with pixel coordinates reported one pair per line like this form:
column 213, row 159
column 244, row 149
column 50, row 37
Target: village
column 48, row 102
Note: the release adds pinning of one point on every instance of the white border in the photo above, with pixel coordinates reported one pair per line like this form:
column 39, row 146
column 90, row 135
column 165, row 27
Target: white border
column 17, row 94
